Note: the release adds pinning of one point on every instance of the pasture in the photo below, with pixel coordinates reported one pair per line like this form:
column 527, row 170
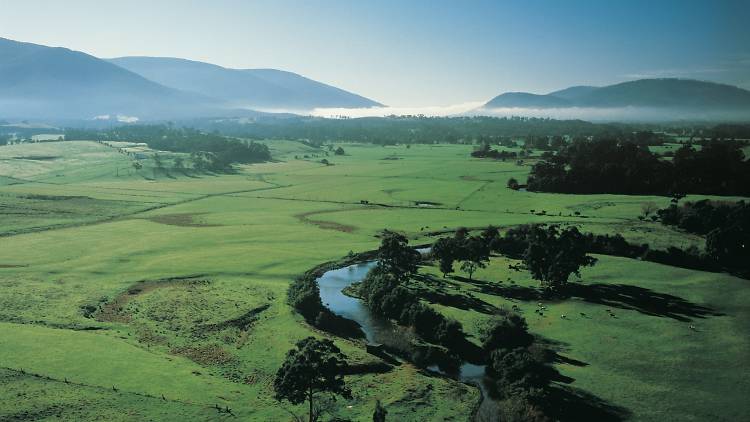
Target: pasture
column 161, row 293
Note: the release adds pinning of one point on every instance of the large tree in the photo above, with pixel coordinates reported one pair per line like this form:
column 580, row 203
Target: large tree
column 395, row 257
column 552, row 255
column 445, row 251
column 313, row 367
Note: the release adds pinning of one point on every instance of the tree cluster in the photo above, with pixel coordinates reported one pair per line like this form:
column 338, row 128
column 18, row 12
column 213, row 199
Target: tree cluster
column 611, row 166
column 553, row 254
column 208, row 151
column 486, row 152
column 518, row 366
column 395, row 130
column 472, row 251
column 725, row 225
column 384, row 292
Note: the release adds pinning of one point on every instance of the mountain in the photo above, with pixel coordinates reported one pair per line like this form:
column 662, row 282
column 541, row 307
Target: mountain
column 670, row 93
column 574, row 92
column 250, row 88
column 43, row 82
column 49, row 82
column 526, row 100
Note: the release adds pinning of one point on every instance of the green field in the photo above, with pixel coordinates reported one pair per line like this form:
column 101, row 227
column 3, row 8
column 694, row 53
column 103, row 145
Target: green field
column 120, row 288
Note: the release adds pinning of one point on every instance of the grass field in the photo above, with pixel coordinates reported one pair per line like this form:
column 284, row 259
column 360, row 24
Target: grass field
column 128, row 284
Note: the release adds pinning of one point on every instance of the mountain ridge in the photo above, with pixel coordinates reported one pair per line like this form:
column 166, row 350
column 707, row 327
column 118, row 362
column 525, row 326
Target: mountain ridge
column 264, row 88
column 41, row 82
column 657, row 93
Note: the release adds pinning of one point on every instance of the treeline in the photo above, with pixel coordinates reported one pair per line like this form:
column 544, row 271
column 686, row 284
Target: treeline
column 613, row 166
column 552, row 254
column 486, row 152
column 725, row 225
column 210, row 151
column 728, row 131
column 407, row 129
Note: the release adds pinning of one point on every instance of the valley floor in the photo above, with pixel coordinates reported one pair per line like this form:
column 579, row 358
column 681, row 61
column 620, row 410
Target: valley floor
column 146, row 294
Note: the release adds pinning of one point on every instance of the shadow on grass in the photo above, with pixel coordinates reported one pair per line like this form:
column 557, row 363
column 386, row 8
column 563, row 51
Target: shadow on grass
column 497, row 289
column 435, row 292
column 565, row 403
column 621, row 296
column 640, row 299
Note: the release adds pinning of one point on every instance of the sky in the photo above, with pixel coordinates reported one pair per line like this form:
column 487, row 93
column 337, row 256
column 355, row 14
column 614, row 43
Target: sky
column 413, row 53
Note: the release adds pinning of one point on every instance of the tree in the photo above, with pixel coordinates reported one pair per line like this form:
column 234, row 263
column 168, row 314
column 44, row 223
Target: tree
column 490, row 236
column 513, row 183
column 469, row 267
column 339, row 151
column 517, row 372
column 506, row 330
column 552, row 255
column 396, row 257
column 158, row 162
column 474, row 252
column 179, row 163
column 444, row 250
column 649, row 208
column 380, row 413
column 313, row 367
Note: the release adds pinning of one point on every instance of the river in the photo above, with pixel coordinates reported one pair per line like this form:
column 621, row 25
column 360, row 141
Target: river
column 331, row 285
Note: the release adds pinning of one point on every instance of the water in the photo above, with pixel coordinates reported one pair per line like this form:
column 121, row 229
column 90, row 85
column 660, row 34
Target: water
column 332, row 284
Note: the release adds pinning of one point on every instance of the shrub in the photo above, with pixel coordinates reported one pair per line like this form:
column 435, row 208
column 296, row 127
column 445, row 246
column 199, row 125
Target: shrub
column 507, row 330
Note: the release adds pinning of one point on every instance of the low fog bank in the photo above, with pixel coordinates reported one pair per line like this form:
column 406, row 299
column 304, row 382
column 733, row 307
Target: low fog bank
column 618, row 114
column 593, row 114
column 433, row 111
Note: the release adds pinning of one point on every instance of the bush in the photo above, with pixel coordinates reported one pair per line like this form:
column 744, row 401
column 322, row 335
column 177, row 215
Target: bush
column 304, row 296
column 507, row 330
column 519, row 373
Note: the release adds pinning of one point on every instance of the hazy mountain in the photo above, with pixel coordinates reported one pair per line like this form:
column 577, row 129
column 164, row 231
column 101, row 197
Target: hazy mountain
column 526, row 100
column 41, row 82
column 574, row 92
column 253, row 88
column 674, row 94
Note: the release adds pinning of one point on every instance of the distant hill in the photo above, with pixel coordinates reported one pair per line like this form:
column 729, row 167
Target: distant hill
column 574, row 92
column 526, row 100
column 252, row 88
column 45, row 82
column 676, row 94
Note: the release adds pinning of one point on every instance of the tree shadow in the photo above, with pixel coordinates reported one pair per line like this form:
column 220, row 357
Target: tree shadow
column 435, row 292
column 497, row 289
column 564, row 360
column 645, row 301
column 566, row 403
column 621, row 296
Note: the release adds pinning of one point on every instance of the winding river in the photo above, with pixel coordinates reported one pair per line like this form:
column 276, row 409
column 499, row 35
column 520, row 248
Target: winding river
column 331, row 285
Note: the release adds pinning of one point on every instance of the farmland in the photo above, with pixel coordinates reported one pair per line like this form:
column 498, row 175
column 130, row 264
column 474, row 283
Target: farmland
column 162, row 293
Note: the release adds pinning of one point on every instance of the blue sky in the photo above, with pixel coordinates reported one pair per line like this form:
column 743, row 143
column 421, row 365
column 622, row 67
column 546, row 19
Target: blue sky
column 413, row 53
